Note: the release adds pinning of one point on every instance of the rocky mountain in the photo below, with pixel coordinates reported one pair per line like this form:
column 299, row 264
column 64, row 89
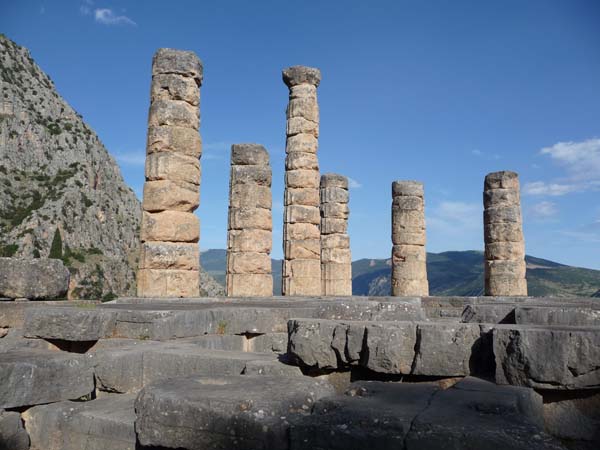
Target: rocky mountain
column 62, row 194
column 449, row 273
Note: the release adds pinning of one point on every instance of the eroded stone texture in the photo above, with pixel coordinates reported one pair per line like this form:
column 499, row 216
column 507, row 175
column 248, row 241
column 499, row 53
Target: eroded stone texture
column 301, row 273
column 249, row 236
column 409, row 270
column 336, row 259
column 34, row 279
column 503, row 233
column 169, row 263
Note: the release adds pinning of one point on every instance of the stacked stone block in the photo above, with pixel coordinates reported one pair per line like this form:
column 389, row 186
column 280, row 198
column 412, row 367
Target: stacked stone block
column 409, row 258
column 503, row 235
column 301, row 234
column 336, row 259
column 169, row 260
column 249, row 236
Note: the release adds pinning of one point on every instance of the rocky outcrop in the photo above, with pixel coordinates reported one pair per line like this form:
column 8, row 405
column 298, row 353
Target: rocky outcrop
column 33, row 279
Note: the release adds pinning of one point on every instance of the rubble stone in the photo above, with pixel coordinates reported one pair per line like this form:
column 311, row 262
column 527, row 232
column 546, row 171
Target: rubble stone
column 34, row 279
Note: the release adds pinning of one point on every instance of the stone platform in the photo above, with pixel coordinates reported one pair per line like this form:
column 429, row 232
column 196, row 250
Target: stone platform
column 300, row 373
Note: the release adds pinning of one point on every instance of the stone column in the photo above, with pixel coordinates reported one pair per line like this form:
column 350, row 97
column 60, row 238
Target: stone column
column 169, row 262
column 336, row 260
column 301, row 274
column 503, row 235
column 409, row 258
column 249, row 237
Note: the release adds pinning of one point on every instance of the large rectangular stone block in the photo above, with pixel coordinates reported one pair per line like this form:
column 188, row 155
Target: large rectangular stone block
column 329, row 241
column 248, row 262
column 172, row 166
column 173, row 113
column 168, row 283
column 304, row 268
column 302, row 196
column 174, row 87
column 302, row 231
column 336, row 256
column 168, row 255
column 305, row 107
column 300, row 285
column 300, row 125
column 250, row 195
column 260, row 175
column 250, row 240
column 170, row 195
column 254, row 218
column 302, row 249
column 335, row 210
column 505, row 251
column 302, row 214
column 301, row 178
column 331, row 226
column 171, row 226
column 182, row 140
column 301, row 160
column 335, row 195
column 307, row 143
column 502, row 214
column 250, row 284
column 337, row 271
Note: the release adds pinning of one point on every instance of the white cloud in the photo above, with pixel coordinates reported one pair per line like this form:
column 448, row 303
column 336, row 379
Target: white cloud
column 553, row 189
column 456, row 216
column 581, row 163
column 353, row 184
column 587, row 233
column 476, row 152
column 106, row 16
column 133, row 158
column 544, row 210
column 86, row 7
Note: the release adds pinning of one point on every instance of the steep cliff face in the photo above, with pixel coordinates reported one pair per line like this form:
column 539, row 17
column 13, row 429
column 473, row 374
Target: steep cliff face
column 60, row 190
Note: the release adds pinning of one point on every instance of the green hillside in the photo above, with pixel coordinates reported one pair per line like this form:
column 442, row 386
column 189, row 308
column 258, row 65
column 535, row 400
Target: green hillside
column 449, row 273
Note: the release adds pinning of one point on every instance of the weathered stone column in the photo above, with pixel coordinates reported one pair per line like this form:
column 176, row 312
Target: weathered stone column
column 249, row 238
column 336, row 259
column 169, row 260
column 301, row 234
column 503, row 235
column 409, row 258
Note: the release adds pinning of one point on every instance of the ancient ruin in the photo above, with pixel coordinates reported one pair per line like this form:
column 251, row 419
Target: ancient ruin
column 249, row 239
column 336, row 258
column 301, row 234
column 409, row 257
column 503, row 232
column 170, row 259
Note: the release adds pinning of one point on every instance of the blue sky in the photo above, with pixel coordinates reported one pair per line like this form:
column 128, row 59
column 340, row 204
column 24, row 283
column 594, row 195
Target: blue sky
column 438, row 91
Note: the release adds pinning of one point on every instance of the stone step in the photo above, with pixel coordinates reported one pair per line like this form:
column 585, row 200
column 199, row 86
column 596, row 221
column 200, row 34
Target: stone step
column 128, row 368
column 226, row 412
column 106, row 423
column 443, row 349
column 32, row 377
column 471, row 414
column 544, row 357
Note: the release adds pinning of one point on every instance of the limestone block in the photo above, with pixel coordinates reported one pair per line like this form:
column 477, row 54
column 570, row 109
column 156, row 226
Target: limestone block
column 502, row 214
column 410, row 287
column 409, row 253
column 391, row 347
column 332, row 225
column 302, row 178
column 172, row 226
column 301, row 143
column 407, row 188
column 337, row 271
column 169, row 195
column 503, row 232
column 249, row 155
column 304, row 249
column 408, row 219
column 335, row 210
column 501, row 180
column 295, row 75
column 35, row 279
column 302, row 214
column 168, row 283
column 69, row 324
column 302, row 268
column 501, row 197
column 335, row 195
column 182, row 140
column 249, row 240
column 251, row 175
column 337, row 287
column 301, row 286
column 302, row 231
column 168, row 255
column 301, row 160
column 302, row 196
column 250, row 285
column 336, row 255
column 173, row 166
column 501, row 268
column 505, row 285
column 310, row 341
column 408, row 203
column 304, row 90
column 299, row 125
column 505, row 250
column 12, row 434
column 305, row 107
column 409, row 236
column 174, row 87
column 250, row 196
column 179, row 62
column 409, row 270
column 173, row 113
column 248, row 262
column 335, row 241
column 257, row 218
column 329, row 180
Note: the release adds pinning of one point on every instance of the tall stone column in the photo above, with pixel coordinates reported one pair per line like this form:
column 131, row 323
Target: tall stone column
column 409, row 258
column 301, row 234
column 250, row 226
column 169, row 260
column 503, row 235
column 336, row 259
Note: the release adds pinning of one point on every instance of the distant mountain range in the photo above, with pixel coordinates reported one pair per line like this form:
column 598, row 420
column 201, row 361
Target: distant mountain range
column 449, row 273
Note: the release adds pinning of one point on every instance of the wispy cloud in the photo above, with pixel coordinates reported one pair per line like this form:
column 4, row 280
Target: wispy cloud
column 544, row 210
column 354, row 184
column 479, row 154
column 456, row 216
column 106, row 16
column 86, row 7
column 588, row 233
column 214, row 150
column 132, row 158
column 581, row 163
